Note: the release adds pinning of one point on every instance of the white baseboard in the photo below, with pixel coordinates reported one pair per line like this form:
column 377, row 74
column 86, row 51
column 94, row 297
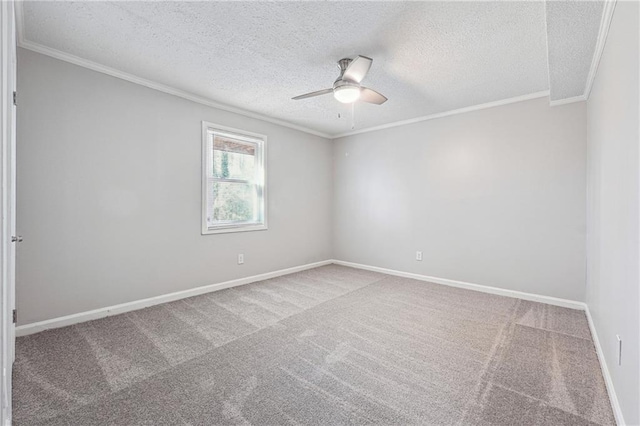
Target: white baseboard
column 615, row 404
column 470, row 286
column 520, row 295
column 37, row 327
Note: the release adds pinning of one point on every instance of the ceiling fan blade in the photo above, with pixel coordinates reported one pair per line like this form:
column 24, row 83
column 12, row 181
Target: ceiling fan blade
column 371, row 96
column 357, row 69
column 312, row 94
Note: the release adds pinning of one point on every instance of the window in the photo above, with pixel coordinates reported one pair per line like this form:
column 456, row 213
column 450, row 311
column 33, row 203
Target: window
column 233, row 180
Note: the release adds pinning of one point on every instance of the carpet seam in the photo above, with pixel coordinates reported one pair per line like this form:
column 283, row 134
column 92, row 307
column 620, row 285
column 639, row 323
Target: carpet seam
column 556, row 332
column 154, row 375
column 471, row 402
column 542, row 402
column 506, row 330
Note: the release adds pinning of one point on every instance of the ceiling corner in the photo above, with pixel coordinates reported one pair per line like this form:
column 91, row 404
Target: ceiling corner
column 576, row 33
column 605, row 23
column 19, row 16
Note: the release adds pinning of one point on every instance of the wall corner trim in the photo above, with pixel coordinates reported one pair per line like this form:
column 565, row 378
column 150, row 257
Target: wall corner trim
column 36, row 327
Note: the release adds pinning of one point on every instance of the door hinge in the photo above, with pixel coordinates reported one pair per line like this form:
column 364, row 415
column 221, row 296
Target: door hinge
column 15, row 316
column 15, row 98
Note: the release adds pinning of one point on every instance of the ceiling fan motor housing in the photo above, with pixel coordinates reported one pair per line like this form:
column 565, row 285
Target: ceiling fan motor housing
column 342, row 83
column 343, row 64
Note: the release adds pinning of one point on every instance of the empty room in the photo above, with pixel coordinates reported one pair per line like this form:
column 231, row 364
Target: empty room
column 320, row 213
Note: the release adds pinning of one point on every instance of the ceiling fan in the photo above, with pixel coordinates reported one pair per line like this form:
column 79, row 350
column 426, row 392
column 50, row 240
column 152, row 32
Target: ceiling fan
column 347, row 88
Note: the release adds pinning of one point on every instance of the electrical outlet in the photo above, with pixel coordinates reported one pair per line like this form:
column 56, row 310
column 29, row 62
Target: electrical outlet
column 240, row 259
column 419, row 255
column 619, row 349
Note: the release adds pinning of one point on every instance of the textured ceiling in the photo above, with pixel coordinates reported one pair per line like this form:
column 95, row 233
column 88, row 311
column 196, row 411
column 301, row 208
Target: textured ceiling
column 429, row 57
column 572, row 28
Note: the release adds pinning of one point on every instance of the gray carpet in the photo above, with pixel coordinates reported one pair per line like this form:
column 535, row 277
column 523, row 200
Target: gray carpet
column 331, row 345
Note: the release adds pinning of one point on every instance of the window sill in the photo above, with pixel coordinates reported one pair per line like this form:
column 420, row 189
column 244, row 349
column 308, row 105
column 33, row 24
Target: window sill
column 234, row 228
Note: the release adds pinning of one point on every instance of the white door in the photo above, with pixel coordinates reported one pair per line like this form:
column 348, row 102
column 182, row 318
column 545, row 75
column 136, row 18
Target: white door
column 8, row 238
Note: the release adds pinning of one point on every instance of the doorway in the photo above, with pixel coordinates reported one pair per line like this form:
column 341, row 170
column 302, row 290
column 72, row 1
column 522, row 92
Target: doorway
column 8, row 238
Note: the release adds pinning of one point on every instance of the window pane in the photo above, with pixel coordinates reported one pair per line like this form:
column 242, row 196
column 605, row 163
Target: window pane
column 232, row 202
column 233, row 159
column 233, row 180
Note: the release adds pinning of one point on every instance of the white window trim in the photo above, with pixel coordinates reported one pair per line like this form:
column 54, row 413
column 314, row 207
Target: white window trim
column 235, row 227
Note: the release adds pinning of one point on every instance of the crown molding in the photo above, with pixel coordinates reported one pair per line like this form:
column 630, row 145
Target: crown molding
column 38, row 48
column 94, row 66
column 605, row 23
column 557, row 102
column 478, row 107
column 76, row 60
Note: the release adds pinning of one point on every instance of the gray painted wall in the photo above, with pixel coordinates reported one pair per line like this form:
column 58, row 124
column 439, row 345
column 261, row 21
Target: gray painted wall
column 109, row 194
column 493, row 197
column 613, row 280
column 109, row 197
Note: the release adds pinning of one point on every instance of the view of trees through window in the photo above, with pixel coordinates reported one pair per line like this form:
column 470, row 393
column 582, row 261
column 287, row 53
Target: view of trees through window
column 233, row 182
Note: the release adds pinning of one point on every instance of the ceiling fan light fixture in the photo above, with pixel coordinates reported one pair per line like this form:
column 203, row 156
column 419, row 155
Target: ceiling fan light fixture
column 347, row 94
column 347, row 89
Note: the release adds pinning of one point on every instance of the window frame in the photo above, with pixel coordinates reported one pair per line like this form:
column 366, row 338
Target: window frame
column 261, row 159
